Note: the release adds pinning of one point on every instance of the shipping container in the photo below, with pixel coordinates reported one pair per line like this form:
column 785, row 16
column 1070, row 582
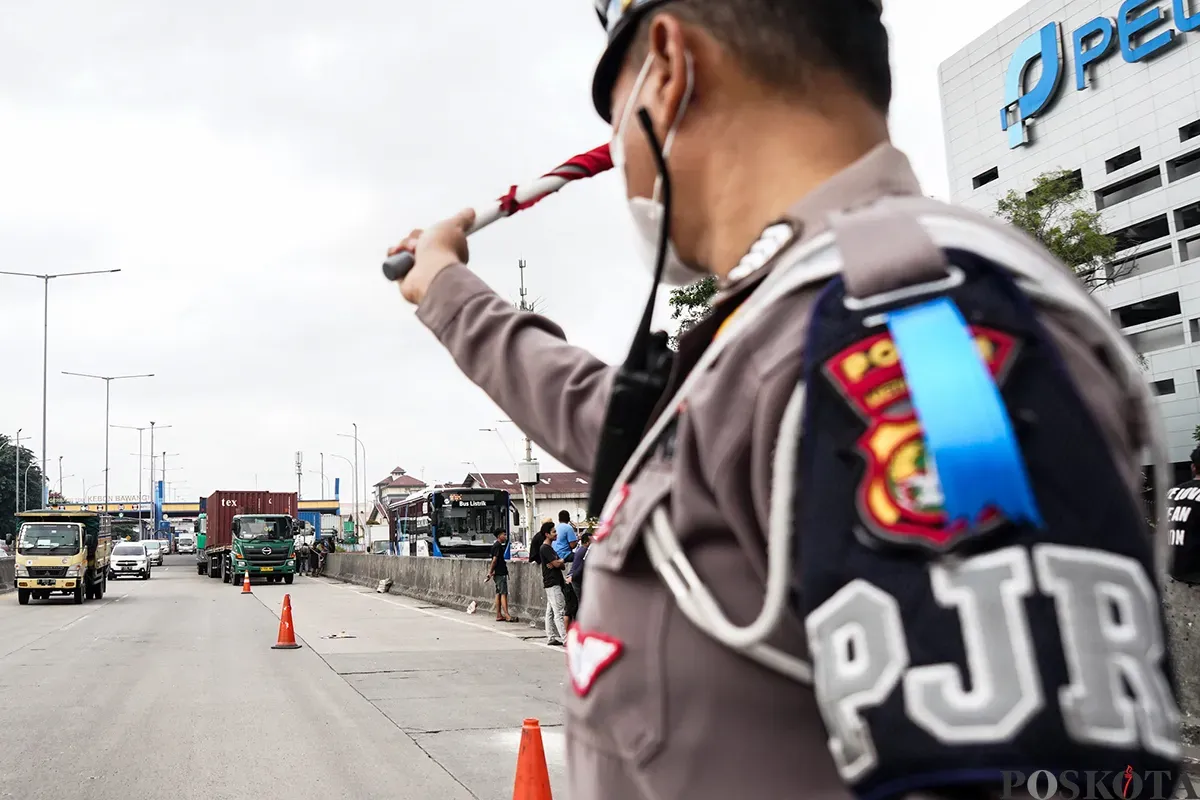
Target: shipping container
column 222, row 507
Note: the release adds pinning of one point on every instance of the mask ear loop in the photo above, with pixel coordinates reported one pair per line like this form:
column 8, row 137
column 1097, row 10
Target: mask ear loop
column 674, row 129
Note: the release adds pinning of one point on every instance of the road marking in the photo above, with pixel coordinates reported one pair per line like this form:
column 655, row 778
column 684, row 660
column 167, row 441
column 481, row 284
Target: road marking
column 371, row 596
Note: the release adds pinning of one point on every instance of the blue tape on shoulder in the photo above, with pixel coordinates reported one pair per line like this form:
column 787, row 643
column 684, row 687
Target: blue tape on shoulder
column 967, row 430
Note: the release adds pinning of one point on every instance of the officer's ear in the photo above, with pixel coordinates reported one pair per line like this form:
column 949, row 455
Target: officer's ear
column 669, row 41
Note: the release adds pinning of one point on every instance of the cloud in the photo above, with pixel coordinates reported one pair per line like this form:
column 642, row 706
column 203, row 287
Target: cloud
column 246, row 165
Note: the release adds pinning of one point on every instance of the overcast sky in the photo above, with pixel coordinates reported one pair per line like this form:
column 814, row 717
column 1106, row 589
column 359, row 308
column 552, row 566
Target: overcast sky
column 246, row 164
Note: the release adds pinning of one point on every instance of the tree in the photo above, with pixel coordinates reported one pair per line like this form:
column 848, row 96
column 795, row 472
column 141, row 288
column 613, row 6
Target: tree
column 8, row 481
column 690, row 304
column 1051, row 213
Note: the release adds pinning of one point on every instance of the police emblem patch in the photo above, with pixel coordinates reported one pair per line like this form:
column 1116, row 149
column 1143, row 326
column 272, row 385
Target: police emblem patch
column 899, row 498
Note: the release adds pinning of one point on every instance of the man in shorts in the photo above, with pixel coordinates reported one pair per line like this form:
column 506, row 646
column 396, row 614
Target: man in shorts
column 498, row 573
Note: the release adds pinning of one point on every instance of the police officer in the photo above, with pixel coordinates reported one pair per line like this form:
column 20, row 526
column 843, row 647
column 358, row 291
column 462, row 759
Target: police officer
column 771, row 119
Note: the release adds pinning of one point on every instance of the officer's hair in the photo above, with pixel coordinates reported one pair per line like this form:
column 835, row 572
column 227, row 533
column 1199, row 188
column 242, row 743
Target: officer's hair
column 564, row 516
column 1196, row 458
column 782, row 43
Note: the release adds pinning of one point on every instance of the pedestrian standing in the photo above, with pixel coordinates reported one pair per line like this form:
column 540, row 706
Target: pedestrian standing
column 498, row 573
column 553, row 582
column 565, row 536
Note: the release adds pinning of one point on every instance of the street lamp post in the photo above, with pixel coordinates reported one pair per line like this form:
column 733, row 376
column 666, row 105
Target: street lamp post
column 350, row 464
column 45, row 279
column 108, row 379
column 357, row 445
column 478, row 474
column 32, row 464
column 141, row 469
column 17, row 472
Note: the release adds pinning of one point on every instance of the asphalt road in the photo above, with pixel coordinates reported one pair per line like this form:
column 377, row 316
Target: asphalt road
column 170, row 688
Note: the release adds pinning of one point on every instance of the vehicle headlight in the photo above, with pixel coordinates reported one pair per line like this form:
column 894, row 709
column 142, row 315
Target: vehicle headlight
column 22, row 572
column 241, row 563
column 73, row 572
column 291, row 562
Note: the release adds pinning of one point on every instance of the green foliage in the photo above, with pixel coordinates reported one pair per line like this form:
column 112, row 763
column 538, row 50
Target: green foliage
column 1196, row 434
column 1051, row 213
column 690, row 304
column 8, row 478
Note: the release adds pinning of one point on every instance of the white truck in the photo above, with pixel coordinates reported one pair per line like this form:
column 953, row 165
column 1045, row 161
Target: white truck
column 185, row 542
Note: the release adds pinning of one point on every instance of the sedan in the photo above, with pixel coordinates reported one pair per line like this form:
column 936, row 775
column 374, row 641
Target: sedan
column 155, row 548
column 128, row 560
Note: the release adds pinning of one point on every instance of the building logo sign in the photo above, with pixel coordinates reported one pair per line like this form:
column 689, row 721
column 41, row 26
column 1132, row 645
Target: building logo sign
column 1140, row 31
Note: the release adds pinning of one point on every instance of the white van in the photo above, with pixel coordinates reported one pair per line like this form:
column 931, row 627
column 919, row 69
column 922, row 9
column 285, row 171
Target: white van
column 185, row 543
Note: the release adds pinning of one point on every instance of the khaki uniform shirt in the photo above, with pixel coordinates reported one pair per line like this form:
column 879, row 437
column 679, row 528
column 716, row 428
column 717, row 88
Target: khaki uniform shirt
column 658, row 709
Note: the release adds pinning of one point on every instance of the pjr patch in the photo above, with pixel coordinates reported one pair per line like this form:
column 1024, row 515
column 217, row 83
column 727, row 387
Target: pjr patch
column 900, row 497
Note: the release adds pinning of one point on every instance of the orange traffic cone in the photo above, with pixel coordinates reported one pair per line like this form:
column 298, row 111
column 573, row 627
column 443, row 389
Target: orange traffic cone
column 287, row 634
column 246, row 583
column 533, row 779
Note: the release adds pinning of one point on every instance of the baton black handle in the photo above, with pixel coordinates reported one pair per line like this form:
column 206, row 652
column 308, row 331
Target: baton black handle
column 398, row 266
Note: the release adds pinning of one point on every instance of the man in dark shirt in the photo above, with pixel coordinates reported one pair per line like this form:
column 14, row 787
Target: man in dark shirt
column 498, row 573
column 575, row 578
column 1184, row 516
column 556, row 603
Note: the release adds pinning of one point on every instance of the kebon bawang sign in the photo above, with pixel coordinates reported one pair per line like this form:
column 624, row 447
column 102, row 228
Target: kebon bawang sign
column 1141, row 30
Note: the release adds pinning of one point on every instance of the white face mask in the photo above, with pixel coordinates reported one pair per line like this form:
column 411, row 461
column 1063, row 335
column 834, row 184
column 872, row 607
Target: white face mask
column 647, row 213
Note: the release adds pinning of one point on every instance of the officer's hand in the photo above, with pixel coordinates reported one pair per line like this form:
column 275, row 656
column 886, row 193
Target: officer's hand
column 434, row 249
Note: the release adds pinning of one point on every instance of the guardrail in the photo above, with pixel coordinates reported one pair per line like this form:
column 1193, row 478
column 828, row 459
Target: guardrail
column 453, row 582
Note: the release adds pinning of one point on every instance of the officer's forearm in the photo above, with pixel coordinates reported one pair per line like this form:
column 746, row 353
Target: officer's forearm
column 555, row 392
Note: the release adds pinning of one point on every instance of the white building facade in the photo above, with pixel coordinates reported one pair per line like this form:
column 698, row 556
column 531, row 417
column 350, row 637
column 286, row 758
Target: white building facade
column 1110, row 91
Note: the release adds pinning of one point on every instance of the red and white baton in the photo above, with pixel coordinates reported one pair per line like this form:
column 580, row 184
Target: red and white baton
column 519, row 198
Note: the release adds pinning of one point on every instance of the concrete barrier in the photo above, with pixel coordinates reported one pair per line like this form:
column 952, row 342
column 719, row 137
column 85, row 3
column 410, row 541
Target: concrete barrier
column 453, row 582
column 456, row 582
column 8, row 574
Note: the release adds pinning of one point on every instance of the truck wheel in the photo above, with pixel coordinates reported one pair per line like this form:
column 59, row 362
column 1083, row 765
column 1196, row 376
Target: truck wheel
column 288, row 579
column 23, row 596
column 102, row 587
column 78, row 596
column 200, row 568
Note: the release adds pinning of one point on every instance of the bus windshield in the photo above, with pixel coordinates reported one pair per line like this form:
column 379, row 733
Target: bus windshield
column 472, row 523
column 60, row 538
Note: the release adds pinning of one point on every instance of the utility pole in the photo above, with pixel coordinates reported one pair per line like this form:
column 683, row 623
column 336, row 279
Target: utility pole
column 324, row 490
column 527, row 471
column 299, row 474
column 60, row 458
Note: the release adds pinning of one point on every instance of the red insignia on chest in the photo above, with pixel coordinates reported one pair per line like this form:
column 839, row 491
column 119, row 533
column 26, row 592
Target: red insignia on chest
column 588, row 656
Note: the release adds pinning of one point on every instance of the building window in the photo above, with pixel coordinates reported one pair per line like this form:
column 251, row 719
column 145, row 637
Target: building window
column 1157, row 338
column 1128, row 189
column 1142, row 263
column 984, row 178
column 1189, row 249
column 1194, row 326
column 1151, row 309
column 1163, row 387
column 1183, row 167
column 1187, row 217
column 1189, row 131
column 1123, row 160
column 1142, row 232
